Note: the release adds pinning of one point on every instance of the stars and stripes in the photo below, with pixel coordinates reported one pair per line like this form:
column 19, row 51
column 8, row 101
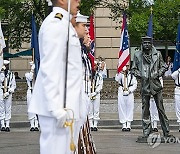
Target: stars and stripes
column 124, row 56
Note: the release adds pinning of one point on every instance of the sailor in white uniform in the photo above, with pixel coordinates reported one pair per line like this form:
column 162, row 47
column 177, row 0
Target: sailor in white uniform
column 127, row 86
column 2, row 76
column 31, row 116
column 97, row 86
column 176, row 76
column 48, row 94
column 9, row 85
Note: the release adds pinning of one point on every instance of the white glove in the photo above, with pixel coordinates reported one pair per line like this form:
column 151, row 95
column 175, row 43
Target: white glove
column 125, row 93
column 61, row 116
column 124, row 68
column 179, row 70
column 93, row 94
column 3, row 68
column 32, row 67
column 11, row 90
column 6, row 94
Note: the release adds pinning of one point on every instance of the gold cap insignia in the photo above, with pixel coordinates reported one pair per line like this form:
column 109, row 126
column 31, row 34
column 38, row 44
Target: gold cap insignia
column 59, row 16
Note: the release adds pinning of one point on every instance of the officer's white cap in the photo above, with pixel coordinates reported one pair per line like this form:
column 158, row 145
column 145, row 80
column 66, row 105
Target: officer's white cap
column 6, row 62
column 31, row 63
column 81, row 18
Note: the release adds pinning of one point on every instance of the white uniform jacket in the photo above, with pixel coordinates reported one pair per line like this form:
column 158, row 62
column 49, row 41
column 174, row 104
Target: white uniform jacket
column 29, row 79
column 98, row 82
column 9, row 82
column 131, row 82
column 176, row 76
column 2, row 76
column 48, row 93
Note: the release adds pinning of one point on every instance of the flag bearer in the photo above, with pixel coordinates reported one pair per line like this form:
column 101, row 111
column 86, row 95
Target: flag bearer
column 9, row 85
column 95, row 98
column 32, row 117
column 127, row 85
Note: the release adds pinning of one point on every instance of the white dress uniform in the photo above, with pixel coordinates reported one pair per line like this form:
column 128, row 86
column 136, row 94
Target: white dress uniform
column 104, row 71
column 126, row 103
column 48, row 93
column 9, row 85
column 176, row 76
column 86, row 86
column 95, row 101
column 31, row 116
column 1, row 98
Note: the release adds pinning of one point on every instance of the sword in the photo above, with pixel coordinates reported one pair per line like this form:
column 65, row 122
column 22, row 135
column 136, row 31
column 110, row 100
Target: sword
column 68, row 123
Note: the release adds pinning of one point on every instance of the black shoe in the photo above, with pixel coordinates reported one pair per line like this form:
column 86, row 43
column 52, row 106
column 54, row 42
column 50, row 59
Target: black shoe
column 95, row 129
column 32, row 129
column 123, row 129
column 36, row 129
column 3, row 129
column 92, row 129
column 179, row 130
column 7, row 129
column 155, row 130
column 128, row 129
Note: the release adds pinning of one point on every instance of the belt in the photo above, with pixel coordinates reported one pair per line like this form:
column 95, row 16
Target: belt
column 177, row 87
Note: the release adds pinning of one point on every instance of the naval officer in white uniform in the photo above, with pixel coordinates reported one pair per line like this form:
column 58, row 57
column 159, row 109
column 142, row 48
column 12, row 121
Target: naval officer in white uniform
column 48, row 95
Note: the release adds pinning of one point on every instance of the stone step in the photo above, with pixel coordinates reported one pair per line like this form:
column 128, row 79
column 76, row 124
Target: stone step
column 109, row 91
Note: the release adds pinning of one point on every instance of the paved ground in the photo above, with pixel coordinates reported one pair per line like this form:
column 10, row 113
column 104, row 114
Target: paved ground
column 108, row 141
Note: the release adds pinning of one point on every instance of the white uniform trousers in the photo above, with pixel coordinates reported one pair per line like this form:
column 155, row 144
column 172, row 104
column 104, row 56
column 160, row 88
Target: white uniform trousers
column 84, row 107
column 55, row 140
column 30, row 115
column 125, row 107
column 177, row 104
column 5, row 108
column 153, row 111
column 94, row 108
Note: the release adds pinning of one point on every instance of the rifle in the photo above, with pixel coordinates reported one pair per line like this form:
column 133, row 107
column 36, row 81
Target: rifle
column 86, row 144
column 81, row 143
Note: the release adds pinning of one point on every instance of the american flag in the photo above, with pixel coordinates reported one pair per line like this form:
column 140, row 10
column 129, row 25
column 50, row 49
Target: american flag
column 124, row 55
column 91, row 54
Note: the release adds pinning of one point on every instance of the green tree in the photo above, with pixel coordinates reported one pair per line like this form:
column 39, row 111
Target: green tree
column 165, row 18
column 17, row 16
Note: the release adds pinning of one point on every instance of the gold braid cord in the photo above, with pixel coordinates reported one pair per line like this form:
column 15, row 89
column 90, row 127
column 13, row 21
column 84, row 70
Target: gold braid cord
column 69, row 123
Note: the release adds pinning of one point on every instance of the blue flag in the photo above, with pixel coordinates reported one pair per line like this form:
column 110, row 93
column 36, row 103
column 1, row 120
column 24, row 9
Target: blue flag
column 176, row 63
column 150, row 27
column 35, row 45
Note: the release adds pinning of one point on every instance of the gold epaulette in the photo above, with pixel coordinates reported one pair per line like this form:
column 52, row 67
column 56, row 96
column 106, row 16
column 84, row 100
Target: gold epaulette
column 59, row 16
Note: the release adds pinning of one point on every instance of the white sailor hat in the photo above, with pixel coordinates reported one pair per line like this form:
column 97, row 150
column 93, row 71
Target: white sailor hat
column 81, row 18
column 31, row 63
column 6, row 62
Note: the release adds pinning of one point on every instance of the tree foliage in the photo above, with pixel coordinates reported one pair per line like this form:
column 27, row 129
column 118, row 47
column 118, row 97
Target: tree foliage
column 165, row 18
column 16, row 14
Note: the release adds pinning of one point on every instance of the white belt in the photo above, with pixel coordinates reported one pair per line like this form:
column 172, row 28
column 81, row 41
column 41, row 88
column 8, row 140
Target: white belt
column 177, row 87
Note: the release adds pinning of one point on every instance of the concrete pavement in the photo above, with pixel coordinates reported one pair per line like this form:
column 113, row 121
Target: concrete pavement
column 107, row 141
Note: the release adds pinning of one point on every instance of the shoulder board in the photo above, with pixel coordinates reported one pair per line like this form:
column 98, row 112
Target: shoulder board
column 59, row 16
